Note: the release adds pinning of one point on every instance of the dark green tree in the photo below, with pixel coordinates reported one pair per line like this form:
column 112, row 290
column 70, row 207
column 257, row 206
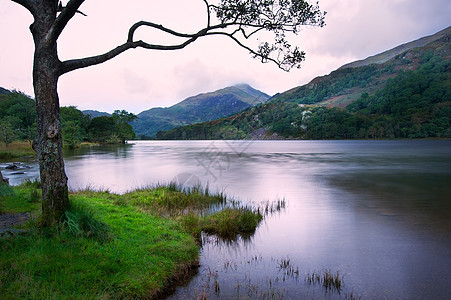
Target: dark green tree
column 19, row 110
column 73, row 134
column 123, row 129
column 238, row 20
column 75, row 126
column 124, row 132
column 122, row 116
column 7, row 133
column 101, row 129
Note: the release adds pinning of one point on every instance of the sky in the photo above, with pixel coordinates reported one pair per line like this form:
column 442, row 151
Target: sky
column 141, row 79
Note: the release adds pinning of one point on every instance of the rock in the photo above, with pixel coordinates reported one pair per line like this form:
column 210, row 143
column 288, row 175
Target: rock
column 12, row 167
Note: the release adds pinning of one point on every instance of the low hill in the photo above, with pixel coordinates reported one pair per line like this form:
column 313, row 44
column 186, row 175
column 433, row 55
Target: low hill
column 407, row 96
column 95, row 113
column 196, row 109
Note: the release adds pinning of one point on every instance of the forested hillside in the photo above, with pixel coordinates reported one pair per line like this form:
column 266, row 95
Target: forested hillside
column 18, row 122
column 409, row 96
column 95, row 113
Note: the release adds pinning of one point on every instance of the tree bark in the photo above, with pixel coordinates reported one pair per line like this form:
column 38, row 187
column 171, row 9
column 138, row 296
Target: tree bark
column 49, row 143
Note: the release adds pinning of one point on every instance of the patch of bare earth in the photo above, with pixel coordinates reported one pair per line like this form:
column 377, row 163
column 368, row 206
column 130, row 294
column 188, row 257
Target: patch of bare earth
column 8, row 222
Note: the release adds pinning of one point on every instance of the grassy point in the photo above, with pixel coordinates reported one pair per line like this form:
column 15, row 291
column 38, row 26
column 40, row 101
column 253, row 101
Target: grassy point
column 134, row 245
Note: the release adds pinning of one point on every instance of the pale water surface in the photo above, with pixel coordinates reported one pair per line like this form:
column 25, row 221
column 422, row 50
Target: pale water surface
column 377, row 212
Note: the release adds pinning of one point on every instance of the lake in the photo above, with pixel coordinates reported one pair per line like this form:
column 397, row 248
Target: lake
column 376, row 212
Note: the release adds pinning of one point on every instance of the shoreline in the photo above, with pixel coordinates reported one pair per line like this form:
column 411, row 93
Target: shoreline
column 136, row 245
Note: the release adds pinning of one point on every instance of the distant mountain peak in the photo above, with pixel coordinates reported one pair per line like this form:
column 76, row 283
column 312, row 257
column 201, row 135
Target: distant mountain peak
column 199, row 108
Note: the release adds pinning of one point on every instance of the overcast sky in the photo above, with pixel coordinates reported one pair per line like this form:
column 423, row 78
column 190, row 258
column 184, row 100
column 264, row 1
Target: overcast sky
column 141, row 79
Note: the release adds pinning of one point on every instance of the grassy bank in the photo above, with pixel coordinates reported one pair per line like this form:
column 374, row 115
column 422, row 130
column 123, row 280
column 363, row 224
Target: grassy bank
column 16, row 150
column 112, row 246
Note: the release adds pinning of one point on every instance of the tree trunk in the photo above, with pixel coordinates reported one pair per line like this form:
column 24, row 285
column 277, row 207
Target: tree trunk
column 49, row 142
column 49, row 145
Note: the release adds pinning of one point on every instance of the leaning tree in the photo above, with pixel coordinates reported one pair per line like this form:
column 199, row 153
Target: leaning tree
column 238, row 20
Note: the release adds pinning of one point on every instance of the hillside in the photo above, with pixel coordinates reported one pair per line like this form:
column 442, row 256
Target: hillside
column 387, row 55
column 407, row 96
column 196, row 109
column 4, row 91
column 345, row 85
column 95, row 113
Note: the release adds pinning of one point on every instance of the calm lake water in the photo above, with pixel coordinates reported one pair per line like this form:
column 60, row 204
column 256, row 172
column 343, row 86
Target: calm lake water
column 377, row 212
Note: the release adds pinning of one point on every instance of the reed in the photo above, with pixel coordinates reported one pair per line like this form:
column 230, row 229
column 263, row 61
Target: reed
column 330, row 281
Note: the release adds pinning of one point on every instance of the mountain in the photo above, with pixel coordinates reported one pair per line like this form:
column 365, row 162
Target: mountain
column 405, row 96
column 95, row 113
column 345, row 85
column 4, row 91
column 200, row 108
column 387, row 55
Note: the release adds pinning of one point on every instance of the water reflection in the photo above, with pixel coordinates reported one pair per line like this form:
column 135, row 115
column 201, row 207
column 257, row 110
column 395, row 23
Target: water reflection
column 376, row 211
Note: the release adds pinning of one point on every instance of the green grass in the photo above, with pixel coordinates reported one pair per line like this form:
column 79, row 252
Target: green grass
column 198, row 210
column 15, row 150
column 114, row 246
column 25, row 198
column 230, row 222
column 134, row 254
column 173, row 201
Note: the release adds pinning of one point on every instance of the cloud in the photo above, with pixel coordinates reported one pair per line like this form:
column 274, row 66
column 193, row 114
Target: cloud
column 135, row 83
column 363, row 28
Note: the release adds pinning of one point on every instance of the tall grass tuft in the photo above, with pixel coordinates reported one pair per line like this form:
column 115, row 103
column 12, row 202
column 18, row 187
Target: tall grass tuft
column 80, row 222
column 32, row 183
column 34, row 196
column 230, row 222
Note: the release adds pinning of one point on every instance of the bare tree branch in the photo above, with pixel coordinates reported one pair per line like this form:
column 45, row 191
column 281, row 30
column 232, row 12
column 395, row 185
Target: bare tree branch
column 64, row 17
column 208, row 13
column 233, row 20
column 132, row 30
column 263, row 59
column 75, row 64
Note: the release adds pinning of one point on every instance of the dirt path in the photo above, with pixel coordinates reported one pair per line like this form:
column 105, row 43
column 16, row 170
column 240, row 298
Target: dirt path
column 10, row 220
